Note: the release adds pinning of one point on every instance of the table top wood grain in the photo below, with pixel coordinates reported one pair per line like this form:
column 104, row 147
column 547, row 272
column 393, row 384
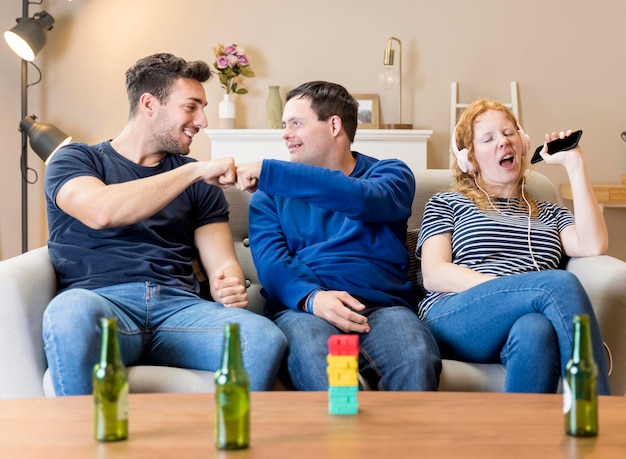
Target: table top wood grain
column 297, row 425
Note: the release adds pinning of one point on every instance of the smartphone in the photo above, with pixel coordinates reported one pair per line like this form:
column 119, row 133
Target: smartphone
column 557, row 145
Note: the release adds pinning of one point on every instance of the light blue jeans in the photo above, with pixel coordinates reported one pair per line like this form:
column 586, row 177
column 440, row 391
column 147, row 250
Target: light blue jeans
column 399, row 352
column 524, row 321
column 157, row 325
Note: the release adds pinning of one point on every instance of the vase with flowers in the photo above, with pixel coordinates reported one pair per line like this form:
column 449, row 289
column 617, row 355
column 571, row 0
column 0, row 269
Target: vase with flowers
column 232, row 65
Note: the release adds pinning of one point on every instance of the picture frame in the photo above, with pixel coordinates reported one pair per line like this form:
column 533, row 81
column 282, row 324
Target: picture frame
column 369, row 111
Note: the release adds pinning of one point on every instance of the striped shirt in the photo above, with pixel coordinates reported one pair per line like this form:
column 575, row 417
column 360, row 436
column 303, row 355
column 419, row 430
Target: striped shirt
column 494, row 242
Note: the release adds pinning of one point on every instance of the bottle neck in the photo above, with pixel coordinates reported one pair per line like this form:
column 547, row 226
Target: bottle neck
column 231, row 357
column 582, row 339
column 110, row 350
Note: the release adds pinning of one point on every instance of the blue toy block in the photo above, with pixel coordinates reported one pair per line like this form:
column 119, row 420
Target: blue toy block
column 343, row 399
column 343, row 408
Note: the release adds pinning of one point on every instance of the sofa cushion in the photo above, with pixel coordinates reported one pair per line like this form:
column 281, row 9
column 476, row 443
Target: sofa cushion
column 471, row 377
column 153, row 379
column 415, row 272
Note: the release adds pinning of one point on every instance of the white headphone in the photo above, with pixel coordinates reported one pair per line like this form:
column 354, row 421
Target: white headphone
column 465, row 165
column 461, row 155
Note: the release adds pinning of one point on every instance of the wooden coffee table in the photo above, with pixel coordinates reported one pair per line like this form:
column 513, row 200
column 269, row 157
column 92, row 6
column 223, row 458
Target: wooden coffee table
column 296, row 425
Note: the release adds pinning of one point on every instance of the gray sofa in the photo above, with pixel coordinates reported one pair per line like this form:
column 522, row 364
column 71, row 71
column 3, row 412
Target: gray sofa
column 27, row 283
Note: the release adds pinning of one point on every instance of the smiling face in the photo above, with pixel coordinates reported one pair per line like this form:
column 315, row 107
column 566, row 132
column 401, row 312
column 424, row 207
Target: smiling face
column 308, row 139
column 180, row 117
column 499, row 152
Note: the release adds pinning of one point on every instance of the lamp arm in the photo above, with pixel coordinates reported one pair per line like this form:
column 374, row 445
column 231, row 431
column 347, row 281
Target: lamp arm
column 24, row 153
column 25, row 4
column 24, row 157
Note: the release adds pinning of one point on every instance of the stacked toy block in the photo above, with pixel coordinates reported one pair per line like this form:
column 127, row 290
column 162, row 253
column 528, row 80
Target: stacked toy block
column 343, row 374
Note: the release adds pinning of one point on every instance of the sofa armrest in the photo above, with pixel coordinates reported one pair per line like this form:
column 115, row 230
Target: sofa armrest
column 27, row 284
column 604, row 280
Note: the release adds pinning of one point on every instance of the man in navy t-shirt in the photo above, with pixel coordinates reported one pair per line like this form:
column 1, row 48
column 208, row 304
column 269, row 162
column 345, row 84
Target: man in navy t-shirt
column 127, row 217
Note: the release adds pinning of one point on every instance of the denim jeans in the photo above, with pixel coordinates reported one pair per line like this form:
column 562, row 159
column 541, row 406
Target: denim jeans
column 157, row 325
column 399, row 350
column 524, row 321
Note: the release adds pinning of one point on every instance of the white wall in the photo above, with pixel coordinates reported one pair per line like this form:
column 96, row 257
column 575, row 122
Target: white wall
column 567, row 56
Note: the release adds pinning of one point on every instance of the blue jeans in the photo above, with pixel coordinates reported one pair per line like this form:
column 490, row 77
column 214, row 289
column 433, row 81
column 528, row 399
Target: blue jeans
column 524, row 321
column 399, row 350
column 157, row 325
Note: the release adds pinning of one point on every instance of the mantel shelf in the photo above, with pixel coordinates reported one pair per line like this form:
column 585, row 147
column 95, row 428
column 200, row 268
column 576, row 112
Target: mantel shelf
column 361, row 134
column 247, row 145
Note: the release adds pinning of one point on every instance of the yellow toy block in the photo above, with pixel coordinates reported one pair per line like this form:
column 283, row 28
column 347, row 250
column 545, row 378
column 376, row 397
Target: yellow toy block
column 342, row 377
column 343, row 361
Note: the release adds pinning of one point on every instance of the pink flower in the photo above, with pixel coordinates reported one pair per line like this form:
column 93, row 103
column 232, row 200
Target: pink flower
column 232, row 64
column 222, row 62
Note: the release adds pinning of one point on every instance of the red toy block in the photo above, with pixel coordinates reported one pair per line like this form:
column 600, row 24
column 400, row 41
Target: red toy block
column 343, row 344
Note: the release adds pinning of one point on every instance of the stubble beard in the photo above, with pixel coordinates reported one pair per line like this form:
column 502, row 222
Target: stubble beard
column 170, row 144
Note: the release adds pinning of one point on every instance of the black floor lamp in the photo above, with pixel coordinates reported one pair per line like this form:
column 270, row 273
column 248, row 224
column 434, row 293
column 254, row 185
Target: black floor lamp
column 26, row 39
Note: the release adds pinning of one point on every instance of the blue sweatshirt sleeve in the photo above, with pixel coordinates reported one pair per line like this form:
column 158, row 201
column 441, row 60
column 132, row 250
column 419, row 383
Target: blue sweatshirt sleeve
column 378, row 191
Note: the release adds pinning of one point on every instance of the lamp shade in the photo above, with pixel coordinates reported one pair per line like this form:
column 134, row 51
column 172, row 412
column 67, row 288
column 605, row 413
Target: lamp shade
column 45, row 139
column 29, row 35
column 389, row 77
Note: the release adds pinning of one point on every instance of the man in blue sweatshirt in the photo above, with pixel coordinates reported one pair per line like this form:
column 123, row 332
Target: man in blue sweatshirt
column 327, row 233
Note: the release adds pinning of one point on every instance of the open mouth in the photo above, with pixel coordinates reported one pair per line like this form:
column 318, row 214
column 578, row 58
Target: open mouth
column 190, row 133
column 507, row 161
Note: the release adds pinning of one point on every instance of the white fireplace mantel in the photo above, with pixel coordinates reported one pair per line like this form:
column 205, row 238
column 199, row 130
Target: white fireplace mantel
column 248, row 145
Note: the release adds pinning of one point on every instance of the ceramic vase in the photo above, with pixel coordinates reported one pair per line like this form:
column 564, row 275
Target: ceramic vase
column 227, row 112
column 274, row 109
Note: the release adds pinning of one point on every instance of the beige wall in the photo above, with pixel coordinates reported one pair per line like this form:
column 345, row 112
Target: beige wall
column 567, row 56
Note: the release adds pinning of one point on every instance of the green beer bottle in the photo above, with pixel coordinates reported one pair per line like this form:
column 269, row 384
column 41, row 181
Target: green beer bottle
column 110, row 387
column 232, row 395
column 580, row 388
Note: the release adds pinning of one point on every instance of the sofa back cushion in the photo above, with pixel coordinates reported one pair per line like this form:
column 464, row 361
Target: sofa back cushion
column 428, row 182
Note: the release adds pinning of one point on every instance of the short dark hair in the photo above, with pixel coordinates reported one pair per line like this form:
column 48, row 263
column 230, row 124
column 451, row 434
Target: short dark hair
column 157, row 73
column 328, row 99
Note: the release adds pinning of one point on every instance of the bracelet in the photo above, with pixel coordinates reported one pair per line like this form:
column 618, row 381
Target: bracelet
column 308, row 304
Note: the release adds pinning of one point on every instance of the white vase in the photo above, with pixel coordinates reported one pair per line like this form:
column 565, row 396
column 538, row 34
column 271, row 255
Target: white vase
column 227, row 113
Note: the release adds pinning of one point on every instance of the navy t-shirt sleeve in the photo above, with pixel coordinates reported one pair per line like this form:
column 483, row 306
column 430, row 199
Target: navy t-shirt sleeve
column 158, row 249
